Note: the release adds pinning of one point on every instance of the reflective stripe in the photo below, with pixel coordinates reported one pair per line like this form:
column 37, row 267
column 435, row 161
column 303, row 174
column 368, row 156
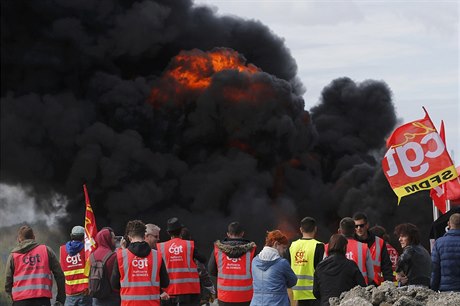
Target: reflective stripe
column 378, row 250
column 302, row 288
column 183, row 270
column 189, row 246
column 184, row 280
column 360, row 255
column 149, row 297
column 77, row 281
column 126, row 283
column 31, row 276
column 234, row 288
column 304, row 277
column 31, row 287
column 73, row 272
column 220, row 266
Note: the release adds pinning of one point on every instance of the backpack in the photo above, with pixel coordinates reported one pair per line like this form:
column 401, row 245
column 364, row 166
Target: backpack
column 99, row 283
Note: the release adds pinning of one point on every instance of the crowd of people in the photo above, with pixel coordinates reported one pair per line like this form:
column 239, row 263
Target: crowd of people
column 141, row 270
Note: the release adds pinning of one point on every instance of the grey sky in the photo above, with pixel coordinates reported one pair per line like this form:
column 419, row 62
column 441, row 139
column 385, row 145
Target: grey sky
column 411, row 45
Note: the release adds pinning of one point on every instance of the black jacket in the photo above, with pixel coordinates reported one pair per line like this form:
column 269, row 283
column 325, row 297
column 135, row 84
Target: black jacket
column 334, row 275
column 140, row 249
column 385, row 264
column 415, row 263
column 232, row 247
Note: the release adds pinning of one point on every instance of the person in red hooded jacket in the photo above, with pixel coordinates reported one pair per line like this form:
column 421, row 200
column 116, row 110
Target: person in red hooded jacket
column 105, row 240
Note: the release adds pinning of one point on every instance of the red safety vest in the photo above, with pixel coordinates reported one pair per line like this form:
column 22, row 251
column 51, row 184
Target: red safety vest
column 357, row 252
column 376, row 254
column 182, row 270
column 32, row 275
column 73, row 267
column 234, row 277
column 393, row 253
column 139, row 278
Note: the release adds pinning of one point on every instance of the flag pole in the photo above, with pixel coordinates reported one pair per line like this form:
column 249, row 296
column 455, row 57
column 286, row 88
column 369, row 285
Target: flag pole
column 435, row 212
column 447, row 205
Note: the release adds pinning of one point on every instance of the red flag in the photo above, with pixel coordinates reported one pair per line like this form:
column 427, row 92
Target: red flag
column 90, row 230
column 438, row 193
column 453, row 188
column 417, row 158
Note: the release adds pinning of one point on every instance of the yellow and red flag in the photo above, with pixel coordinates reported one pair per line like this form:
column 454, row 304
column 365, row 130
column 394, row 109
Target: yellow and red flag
column 417, row 158
column 90, row 230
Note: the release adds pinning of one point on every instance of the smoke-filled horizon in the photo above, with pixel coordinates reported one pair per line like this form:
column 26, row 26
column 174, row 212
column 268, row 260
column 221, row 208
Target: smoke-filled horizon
column 87, row 97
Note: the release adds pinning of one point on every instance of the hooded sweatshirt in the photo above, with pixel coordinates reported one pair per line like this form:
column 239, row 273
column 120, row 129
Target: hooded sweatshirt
column 334, row 275
column 105, row 245
column 272, row 275
column 140, row 249
column 55, row 267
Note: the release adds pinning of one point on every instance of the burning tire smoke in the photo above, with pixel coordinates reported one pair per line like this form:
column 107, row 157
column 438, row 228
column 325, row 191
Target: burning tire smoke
column 162, row 108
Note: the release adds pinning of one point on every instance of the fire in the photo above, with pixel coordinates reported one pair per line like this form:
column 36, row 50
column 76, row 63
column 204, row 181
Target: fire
column 191, row 72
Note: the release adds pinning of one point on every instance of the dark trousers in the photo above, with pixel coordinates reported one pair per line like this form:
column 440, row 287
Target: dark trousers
column 308, row 303
column 234, row 304
column 182, row 300
column 33, row 302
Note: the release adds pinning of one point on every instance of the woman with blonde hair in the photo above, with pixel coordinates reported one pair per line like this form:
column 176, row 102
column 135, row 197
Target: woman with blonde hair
column 271, row 273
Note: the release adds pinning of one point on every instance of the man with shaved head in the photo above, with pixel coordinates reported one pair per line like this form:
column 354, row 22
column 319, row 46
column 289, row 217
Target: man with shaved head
column 445, row 258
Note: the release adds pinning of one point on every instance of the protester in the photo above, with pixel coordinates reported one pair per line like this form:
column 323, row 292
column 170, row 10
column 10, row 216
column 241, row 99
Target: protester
column 152, row 235
column 356, row 251
column 28, row 272
column 381, row 232
column 230, row 262
column 139, row 271
column 72, row 256
column 414, row 264
column 179, row 256
column 105, row 240
column 445, row 258
column 336, row 274
column 381, row 259
column 272, row 274
column 304, row 255
column 207, row 290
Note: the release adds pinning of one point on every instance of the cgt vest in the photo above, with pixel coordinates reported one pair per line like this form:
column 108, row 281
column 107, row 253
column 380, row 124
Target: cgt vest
column 182, row 270
column 32, row 275
column 139, row 278
column 357, row 251
column 73, row 267
column 376, row 254
column 302, row 253
column 234, row 277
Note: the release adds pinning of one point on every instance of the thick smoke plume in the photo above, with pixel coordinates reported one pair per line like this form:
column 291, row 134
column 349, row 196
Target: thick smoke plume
column 87, row 97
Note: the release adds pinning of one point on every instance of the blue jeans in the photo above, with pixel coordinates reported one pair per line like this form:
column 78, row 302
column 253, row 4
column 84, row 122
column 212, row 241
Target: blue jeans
column 78, row 300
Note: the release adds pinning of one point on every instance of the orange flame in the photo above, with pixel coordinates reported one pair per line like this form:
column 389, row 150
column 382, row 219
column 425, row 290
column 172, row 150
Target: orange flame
column 191, row 71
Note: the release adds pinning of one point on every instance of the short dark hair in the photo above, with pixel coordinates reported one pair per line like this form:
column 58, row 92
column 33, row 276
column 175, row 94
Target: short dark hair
column 185, row 234
column 360, row 216
column 308, row 224
column 25, row 232
column 77, row 237
column 337, row 244
column 380, row 231
column 347, row 226
column 135, row 228
column 235, row 228
column 409, row 230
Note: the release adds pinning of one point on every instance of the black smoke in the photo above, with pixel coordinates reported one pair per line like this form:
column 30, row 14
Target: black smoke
column 75, row 83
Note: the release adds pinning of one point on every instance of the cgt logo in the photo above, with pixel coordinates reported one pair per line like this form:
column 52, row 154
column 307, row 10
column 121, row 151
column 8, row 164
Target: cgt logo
column 73, row 259
column 31, row 260
column 140, row 263
column 234, row 260
column 175, row 249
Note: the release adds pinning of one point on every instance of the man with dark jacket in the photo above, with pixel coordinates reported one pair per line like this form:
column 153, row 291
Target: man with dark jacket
column 230, row 262
column 28, row 272
column 137, row 266
column 445, row 258
column 381, row 259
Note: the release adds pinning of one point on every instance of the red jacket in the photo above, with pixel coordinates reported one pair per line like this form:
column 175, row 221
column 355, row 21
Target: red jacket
column 32, row 275
column 139, row 278
column 76, row 282
column 182, row 270
column 234, row 277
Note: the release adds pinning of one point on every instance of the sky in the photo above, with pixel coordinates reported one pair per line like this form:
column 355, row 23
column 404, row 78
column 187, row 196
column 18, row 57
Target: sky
column 413, row 46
